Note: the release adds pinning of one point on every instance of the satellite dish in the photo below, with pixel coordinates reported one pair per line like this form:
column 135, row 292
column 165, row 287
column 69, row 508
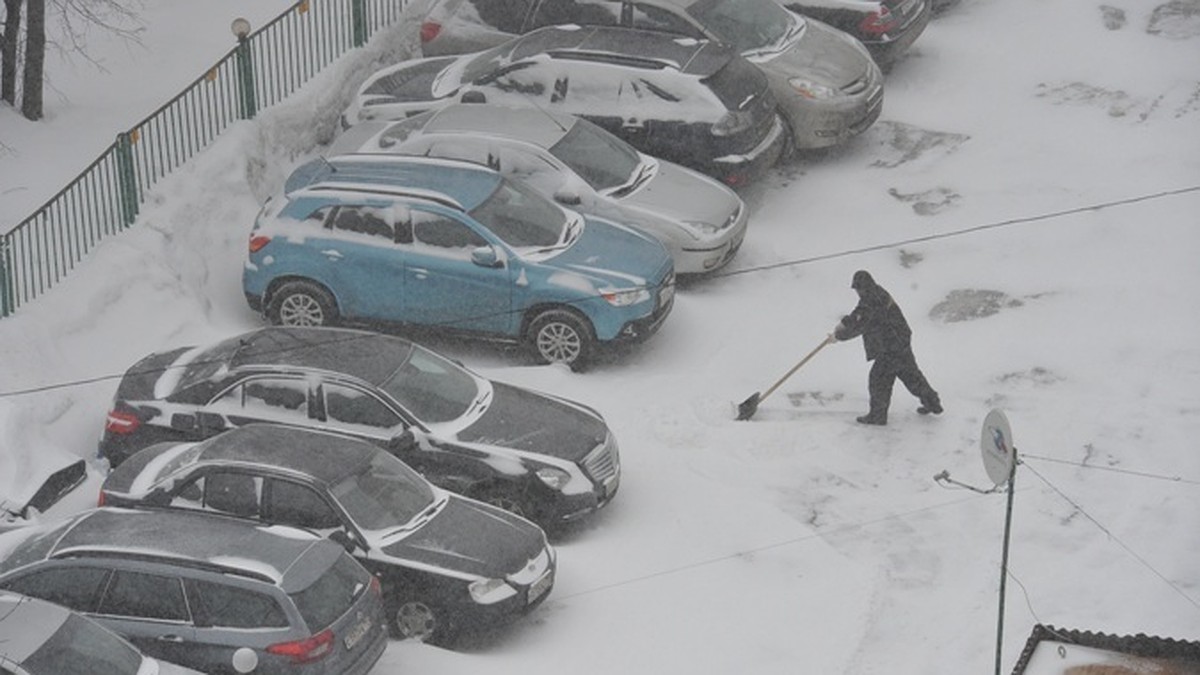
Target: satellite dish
column 995, row 441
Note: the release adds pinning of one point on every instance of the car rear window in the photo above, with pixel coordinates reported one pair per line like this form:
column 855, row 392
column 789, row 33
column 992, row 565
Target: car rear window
column 332, row 594
column 80, row 647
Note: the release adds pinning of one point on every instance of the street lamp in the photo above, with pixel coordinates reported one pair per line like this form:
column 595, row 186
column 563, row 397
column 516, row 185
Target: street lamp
column 240, row 28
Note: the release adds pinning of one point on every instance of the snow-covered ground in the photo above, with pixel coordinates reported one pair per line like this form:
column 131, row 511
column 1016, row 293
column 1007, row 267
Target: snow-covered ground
column 1028, row 197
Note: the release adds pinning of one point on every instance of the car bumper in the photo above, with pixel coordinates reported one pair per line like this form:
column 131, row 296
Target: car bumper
column 887, row 51
column 829, row 125
column 743, row 169
column 714, row 257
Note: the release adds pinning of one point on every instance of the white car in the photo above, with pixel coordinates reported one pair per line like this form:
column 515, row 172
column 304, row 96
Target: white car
column 701, row 221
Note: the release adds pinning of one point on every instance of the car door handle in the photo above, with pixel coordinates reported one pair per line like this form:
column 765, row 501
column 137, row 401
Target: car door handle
column 332, row 254
column 169, row 638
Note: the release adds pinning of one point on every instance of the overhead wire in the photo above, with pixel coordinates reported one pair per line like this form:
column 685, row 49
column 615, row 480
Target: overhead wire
column 747, row 270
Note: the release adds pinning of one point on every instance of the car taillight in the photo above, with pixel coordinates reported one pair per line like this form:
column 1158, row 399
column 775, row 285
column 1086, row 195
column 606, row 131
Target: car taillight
column 257, row 242
column 307, row 650
column 430, row 30
column 376, row 587
column 101, row 499
column 879, row 22
column 122, row 422
column 733, row 122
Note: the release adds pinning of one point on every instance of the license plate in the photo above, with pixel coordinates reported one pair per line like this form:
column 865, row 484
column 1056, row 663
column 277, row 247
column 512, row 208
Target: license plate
column 539, row 587
column 357, row 633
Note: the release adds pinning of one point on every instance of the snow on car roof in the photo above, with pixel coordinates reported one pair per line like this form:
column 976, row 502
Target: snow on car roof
column 188, row 536
column 370, row 357
column 537, row 126
column 326, row 457
column 689, row 55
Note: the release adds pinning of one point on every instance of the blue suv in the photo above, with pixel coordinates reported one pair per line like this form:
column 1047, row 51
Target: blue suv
column 456, row 247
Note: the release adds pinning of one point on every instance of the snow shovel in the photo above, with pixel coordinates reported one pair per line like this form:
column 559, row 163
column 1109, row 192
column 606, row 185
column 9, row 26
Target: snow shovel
column 747, row 408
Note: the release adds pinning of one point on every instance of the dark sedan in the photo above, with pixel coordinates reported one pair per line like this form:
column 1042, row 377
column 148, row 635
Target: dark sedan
column 447, row 564
column 546, row 458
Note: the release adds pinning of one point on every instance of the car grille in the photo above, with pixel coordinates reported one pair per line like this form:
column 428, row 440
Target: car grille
column 857, row 87
column 604, row 462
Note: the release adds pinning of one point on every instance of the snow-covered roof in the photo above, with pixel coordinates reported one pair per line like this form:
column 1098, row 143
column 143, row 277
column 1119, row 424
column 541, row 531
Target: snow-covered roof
column 1058, row 651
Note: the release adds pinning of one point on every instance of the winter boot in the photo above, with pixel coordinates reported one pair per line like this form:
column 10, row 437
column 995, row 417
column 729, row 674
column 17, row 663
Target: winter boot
column 933, row 405
column 879, row 419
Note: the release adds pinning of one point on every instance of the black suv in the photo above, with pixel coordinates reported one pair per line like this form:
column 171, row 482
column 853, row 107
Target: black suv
column 546, row 458
column 447, row 563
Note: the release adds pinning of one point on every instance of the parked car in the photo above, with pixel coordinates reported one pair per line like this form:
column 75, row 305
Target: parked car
column 453, row 247
column 887, row 28
column 543, row 457
column 198, row 589
column 447, row 563
column 566, row 158
column 693, row 102
column 827, row 85
column 42, row 638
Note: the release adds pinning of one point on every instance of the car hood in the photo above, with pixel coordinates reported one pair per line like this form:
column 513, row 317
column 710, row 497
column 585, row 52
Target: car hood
column 683, row 195
column 472, row 538
column 531, row 422
column 610, row 256
column 822, row 53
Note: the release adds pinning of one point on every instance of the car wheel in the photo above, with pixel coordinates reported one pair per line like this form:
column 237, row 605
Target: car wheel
column 560, row 336
column 302, row 303
column 504, row 498
column 412, row 619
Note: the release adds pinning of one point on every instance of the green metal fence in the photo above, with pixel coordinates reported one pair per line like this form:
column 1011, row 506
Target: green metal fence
column 265, row 67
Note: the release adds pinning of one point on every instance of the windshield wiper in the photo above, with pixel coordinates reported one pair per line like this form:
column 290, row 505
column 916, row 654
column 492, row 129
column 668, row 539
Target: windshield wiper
column 642, row 176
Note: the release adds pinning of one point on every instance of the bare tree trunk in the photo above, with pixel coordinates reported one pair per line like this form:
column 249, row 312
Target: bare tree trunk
column 35, row 60
column 8, row 51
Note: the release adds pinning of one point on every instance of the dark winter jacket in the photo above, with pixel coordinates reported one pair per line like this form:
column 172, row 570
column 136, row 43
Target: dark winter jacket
column 877, row 319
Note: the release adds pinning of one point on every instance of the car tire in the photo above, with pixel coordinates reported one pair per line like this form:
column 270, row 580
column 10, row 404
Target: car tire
column 302, row 303
column 503, row 497
column 561, row 336
column 418, row 620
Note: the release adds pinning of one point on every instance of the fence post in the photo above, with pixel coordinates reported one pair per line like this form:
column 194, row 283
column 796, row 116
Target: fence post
column 245, row 69
column 6, row 300
column 127, row 179
column 358, row 20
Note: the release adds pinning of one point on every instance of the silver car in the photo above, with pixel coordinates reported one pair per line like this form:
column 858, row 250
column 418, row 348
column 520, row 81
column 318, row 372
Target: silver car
column 827, row 85
column 700, row 221
column 42, row 638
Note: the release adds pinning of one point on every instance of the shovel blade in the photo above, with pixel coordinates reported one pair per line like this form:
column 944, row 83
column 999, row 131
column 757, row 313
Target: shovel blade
column 747, row 408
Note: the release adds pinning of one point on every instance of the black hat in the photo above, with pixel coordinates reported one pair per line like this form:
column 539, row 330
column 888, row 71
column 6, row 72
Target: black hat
column 862, row 279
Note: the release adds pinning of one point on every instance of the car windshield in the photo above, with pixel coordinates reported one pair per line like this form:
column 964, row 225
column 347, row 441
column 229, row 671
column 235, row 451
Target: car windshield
column 398, row 132
column 524, row 219
column 484, row 64
column 598, row 157
column 385, row 495
column 750, row 25
column 431, row 387
column 332, row 595
column 80, row 647
column 207, row 363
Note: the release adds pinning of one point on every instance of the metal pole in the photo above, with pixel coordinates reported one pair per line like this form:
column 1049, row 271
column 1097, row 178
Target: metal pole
column 1012, row 477
column 245, row 68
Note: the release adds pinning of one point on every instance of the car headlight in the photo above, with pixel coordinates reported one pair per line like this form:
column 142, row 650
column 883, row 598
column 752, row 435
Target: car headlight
column 553, row 477
column 700, row 230
column 812, row 90
column 625, row 296
column 491, row 591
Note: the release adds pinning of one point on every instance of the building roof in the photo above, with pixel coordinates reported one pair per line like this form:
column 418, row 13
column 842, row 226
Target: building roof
column 1046, row 653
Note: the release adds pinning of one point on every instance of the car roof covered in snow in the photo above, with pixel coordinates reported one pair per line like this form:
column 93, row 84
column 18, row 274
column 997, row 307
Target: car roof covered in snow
column 459, row 184
column 192, row 539
column 326, row 457
column 370, row 357
column 632, row 47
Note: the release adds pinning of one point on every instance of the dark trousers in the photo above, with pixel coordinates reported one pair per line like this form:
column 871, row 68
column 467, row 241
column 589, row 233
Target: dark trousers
column 885, row 370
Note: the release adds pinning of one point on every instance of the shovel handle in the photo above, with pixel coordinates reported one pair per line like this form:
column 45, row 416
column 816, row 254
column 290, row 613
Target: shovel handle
column 828, row 339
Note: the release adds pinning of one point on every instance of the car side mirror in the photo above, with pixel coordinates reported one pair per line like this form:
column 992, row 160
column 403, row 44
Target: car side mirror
column 345, row 539
column 485, row 256
column 568, row 197
column 402, row 443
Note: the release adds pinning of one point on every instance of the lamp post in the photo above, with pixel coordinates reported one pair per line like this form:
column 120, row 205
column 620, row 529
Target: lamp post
column 245, row 68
